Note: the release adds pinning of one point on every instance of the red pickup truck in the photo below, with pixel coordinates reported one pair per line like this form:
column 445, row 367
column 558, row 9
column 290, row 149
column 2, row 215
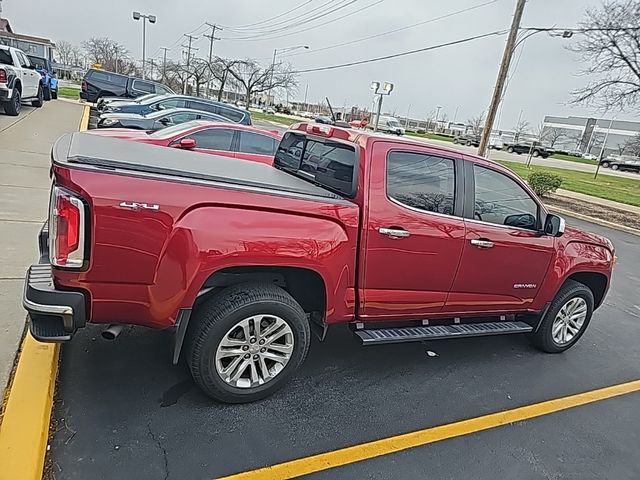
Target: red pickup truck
column 241, row 261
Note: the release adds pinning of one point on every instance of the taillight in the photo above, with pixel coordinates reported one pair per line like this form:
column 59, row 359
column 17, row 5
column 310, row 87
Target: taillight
column 66, row 229
column 3, row 76
column 84, row 86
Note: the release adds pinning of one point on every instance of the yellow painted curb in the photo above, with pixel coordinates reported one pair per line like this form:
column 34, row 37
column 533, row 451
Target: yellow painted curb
column 25, row 423
column 24, row 430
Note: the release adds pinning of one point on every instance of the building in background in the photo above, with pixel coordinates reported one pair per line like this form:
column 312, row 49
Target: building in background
column 40, row 47
column 586, row 135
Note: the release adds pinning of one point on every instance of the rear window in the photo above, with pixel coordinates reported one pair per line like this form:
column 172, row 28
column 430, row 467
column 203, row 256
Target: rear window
column 5, row 57
column 325, row 162
column 108, row 77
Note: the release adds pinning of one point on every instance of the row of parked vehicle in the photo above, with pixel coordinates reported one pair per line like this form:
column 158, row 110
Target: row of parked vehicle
column 25, row 78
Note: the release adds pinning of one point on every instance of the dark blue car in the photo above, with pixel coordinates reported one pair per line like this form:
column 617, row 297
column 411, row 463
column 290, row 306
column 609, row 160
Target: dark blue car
column 164, row 102
column 49, row 80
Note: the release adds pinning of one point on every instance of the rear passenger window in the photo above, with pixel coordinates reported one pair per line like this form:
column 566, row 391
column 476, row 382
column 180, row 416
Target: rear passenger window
column 213, row 139
column 231, row 114
column 255, row 143
column 421, row 181
column 108, row 77
column 143, row 86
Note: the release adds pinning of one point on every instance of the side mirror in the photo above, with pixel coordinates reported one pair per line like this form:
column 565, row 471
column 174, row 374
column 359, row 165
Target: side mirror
column 186, row 144
column 525, row 220
column 554, row 225
column 164, row 121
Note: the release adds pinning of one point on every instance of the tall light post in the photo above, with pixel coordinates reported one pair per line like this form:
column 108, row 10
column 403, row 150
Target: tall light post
column 604, row 146
column 152, row 19
column 438, row 108
column 276, row 51
column 387, row 88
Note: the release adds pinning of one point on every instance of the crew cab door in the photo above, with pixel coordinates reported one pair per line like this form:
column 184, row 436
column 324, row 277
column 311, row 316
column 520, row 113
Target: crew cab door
column 413, row 231
column 30, row 77
column 505, row 258
column 219, row 141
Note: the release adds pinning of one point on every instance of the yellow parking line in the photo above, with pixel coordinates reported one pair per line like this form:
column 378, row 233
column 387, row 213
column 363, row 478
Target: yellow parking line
column 385, row 446
column 25, row 423
column 84, row 121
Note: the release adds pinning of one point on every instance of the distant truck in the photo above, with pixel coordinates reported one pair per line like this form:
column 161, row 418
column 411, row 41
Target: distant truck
column 19, row 81
column 100, row 83
column 536, row 149
column 401, row 240
column 388, row 124
column 48, row 74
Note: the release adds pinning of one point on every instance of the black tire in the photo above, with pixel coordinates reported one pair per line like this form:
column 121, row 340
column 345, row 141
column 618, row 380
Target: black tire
column 468, row 143
column 510, row 149
column 543, row 338
column 536, row 153
column 605, row 164
column 615, row 167
column 214, row 318
column 456, row 141
column 46, row 94
column 54, row 94
column 37, row 103
column 13, row 106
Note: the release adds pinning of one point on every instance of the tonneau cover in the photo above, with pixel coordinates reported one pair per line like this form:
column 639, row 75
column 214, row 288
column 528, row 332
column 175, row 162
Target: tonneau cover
column 111, row 153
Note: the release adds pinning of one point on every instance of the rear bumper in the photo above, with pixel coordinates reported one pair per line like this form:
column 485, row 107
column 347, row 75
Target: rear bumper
column 5, row 93
column 54, row 315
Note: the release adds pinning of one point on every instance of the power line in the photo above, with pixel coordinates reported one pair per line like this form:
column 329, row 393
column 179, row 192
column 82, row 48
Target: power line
column 262, row 37
column 404, row 54
column 275, row 17
column 389, row 32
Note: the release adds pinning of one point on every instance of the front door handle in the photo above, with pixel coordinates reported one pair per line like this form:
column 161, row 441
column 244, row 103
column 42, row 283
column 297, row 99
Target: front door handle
column 394, row 232
column 476, row 242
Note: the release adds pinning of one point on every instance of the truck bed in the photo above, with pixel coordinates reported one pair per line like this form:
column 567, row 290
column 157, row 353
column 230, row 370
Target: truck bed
column 122, row 155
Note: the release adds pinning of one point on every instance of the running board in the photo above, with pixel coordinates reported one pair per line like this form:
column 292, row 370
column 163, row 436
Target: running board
column 438, row 332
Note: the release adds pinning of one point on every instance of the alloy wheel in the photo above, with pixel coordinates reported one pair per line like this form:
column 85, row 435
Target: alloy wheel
column 254, row 351
column 569, row 321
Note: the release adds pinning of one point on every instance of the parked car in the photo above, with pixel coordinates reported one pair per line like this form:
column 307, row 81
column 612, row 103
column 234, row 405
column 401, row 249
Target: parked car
column 149, row 105
column 626, row 164
column 100, row 83
column 589, row 156
column 536, row 149
column 19, row 81
column 609, row 160
column 242, row 261
column 269, row 111
column 155, row 120
column 228, row 139
column 48, row 74
column 104, row 101
column 468, row 139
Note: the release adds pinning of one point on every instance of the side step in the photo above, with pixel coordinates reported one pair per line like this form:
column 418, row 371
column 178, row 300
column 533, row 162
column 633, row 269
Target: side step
column 438, row 332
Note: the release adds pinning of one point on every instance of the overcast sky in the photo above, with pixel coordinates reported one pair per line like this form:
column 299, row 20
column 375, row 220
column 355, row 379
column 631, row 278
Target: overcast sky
column 460, row 76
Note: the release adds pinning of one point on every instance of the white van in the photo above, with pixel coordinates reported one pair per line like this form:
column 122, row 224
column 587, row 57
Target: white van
column 389, row 125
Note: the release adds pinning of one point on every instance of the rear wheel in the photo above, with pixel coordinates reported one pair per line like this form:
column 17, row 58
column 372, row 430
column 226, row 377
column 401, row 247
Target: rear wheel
column 39, row 99
column 47, row 94
column 566, row 319
column 13, row 106
column 510, row 149
column 615, row 167
column 246, row 342
column 605, row 164
column 536, row 153
column 54, row 94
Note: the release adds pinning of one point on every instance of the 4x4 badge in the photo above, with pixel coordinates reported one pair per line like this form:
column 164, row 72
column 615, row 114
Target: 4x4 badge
column 138, row 206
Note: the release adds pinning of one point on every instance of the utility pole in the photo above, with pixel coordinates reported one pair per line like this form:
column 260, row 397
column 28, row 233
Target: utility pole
column 152, row 63
column 191, row 39
column 306, row 92
column 502, row 76
column 211, row 38
column 164, row 61
column 603, row 147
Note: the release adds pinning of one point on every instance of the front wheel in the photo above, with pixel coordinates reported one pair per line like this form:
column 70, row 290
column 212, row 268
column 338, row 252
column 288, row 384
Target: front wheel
column 39, row 99
column 536, row 153
column 615, row 167
column 47, row 94
column 54, row 94
column 605, row 164
column 510, row 149
column 566, row 319
column 246, row 342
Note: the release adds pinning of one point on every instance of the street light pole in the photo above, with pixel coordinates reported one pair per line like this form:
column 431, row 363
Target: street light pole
column 144, row 18
column 273, row 64
column 387, row 88
column 438, row 107
column 604, row 145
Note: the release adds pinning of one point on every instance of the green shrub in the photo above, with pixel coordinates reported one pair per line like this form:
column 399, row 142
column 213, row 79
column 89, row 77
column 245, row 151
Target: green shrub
column 543, row 183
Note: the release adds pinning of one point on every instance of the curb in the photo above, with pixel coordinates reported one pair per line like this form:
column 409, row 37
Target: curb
column 24, row 431
column 597, row 221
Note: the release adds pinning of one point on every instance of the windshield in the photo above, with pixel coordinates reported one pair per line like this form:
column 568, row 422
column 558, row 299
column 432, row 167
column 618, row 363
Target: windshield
column 144, row 98
column 323, row 162
column 394, row 123
column 173, row 130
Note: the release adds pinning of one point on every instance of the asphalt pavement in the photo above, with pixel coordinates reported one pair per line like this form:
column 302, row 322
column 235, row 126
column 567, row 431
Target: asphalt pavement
column 123, row 411
column 25, row 145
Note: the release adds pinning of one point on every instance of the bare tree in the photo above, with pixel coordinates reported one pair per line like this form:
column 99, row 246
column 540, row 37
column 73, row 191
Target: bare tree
column 175, row 76
column 476, row 123
column 65, row 52
column 611, row 44
column 550, row 135
column 198, row 73
column 521, row 127
column 255, row 79
column 632, row 146
column 220, row 68
column 110, row 54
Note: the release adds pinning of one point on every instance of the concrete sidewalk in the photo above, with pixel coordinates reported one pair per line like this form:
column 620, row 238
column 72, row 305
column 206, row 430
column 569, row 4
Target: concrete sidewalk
column 25, row 145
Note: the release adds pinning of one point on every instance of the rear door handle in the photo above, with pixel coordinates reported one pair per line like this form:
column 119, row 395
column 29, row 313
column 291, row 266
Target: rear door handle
column 394, row 232
column 476, row 242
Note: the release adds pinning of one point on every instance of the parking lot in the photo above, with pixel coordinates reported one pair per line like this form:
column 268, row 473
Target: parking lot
column 123, row 411
column 121, row 405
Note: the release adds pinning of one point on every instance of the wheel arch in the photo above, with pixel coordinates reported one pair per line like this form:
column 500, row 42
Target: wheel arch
column 594, row 281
